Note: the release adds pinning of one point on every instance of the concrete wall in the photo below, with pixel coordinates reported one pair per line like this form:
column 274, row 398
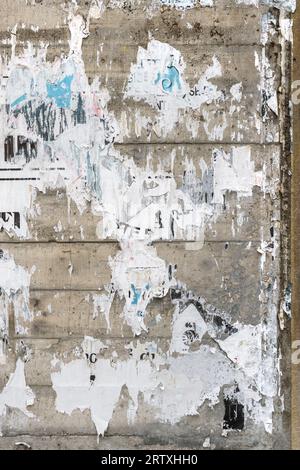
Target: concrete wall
column 295, row 395
column 143, row 267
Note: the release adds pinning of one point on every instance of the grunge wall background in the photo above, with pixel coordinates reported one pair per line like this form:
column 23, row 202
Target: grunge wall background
column 143, row 265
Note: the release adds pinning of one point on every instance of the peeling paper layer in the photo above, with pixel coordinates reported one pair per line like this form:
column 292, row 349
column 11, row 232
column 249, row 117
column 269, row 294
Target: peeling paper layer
column 190, row 376
column 73, row 149
column 62, row 136
column 158, row 79
column 16, row 394
column 14, row 293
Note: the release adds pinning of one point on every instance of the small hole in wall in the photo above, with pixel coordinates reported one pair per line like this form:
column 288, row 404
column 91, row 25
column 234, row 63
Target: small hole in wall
column 234, row 414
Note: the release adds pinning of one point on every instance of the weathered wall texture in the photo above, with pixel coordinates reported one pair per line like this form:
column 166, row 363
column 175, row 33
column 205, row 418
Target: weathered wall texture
column 142, row 267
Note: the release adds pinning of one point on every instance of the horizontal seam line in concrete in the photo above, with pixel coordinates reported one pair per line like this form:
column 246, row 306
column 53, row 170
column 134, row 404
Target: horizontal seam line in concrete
column 102, row 242
column 86, row 47
column 189, row 44
column 200, row 142
column 67, row 435
column 204, row 143
column 77, row 336
column 146, row 440
column 67, row 289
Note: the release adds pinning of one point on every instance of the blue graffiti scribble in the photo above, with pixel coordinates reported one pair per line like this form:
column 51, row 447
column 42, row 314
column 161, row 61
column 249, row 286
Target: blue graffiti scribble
column 61, row 91
column 18, row 100
column 169, row 79
column 136, row 295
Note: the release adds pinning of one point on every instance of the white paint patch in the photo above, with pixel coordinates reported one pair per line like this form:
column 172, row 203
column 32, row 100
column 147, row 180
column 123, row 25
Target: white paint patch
column 92, row 346
column 207, row 3
column 234, row 172
column 139, row 275
column 286, row 28
column 288, row 5
column 188, row 327
column 14, row 286
column 173, row 392
column 206, row 442
column 158, row 79
column 102, row 304
column 179, row 4
column 16, row 394
column 236, row 92
column 244, row 348
column 97, row 9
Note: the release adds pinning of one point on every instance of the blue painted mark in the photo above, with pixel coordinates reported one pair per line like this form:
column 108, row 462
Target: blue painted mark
column 19, row 100
column 169, row 79
column 61, row 91
column 136, row 295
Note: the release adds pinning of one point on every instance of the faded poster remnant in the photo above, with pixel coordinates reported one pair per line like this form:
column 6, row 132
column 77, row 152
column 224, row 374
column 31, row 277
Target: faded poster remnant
column 16, row 394
column 14, row 293
column 141, row 173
